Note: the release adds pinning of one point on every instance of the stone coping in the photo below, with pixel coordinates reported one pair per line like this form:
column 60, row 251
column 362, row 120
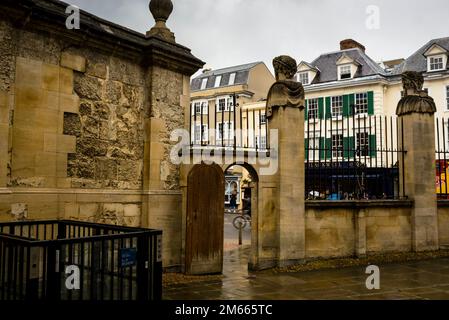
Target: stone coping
column 9, row 191
column 358, row 203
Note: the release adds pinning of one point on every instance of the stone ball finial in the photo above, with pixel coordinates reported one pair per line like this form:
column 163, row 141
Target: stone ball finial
column 161, row 9
column 415, row 99
column 285, row 67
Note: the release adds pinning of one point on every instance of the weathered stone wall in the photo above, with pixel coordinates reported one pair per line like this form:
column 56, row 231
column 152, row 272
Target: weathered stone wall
column 443, row 224
column 349, row 230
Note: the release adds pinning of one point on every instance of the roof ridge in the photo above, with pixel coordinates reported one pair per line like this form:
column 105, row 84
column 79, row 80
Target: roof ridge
column 221, row 70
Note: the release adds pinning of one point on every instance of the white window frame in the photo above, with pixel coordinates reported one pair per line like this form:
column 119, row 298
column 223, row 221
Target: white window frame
column 232, row 79
column 341, row 69
column 314, row 146
column 261, row 142
column 201, row 134
column 304, row 78
column 197, row 105
column 358, row 144
column 337, row 145
column 313, row 109
column 204, row 83
column 228, row 131
column 263, row 119
column 431, row 64
column 335, row 107
column 447, row 98
column 217, row 81
column 361, row 103
column 229, row 101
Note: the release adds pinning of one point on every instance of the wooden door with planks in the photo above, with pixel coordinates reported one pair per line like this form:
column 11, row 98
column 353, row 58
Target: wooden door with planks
column 205, row 220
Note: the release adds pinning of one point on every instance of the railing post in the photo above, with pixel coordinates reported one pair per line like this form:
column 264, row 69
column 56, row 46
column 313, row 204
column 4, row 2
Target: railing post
column 143, row 264
column 417, row 166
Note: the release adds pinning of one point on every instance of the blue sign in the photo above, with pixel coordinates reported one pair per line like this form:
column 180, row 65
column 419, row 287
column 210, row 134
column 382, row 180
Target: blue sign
column 128, row 257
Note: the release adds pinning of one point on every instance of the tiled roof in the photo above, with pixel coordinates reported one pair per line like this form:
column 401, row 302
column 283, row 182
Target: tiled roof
column 241, row 76
column 417, row 61
column 327, row 64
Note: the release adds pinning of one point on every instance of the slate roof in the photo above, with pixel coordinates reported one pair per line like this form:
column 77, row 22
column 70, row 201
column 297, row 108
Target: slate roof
column 327, row 64
column 417, row 61
column 241, row 77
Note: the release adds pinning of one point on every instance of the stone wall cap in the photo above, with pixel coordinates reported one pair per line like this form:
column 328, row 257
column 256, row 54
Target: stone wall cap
column 357, row 204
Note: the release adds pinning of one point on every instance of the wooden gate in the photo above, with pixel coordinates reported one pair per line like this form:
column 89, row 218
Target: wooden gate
column 205, row 220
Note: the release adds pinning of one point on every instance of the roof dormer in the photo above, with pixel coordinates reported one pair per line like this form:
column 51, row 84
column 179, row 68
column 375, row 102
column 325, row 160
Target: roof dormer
column 436, row 58
column 346, row 67
column 306, row 73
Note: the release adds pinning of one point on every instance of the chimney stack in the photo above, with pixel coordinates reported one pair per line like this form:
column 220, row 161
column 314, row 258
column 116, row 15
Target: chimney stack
column 350, row 44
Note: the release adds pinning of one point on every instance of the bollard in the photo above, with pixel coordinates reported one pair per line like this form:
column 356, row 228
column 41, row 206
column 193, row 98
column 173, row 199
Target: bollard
column 240, row 233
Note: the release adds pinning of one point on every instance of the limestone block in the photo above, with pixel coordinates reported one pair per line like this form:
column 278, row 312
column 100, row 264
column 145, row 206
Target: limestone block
column 29, row 140
column 87, row 211
column 71, row 210
column 50, row 77
column 69, row 103
column 19, row 211
column 65, row 80
column 59, row 143
column 45, row 164
column 51, row 100
column 28, row 73
column 73, row 61
column 61, row 165
column 132, row 221
column 131, row 210
column 30, row 97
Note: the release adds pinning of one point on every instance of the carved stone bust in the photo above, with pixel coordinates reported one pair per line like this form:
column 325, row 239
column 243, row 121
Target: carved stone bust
column 415, row 99
column 285, row 92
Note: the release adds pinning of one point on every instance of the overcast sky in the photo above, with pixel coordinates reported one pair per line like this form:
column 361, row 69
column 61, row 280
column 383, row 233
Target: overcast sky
column 230, row 32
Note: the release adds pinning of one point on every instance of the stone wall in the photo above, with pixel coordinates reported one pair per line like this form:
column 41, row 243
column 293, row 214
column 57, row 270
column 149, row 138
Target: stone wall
column 85, row 121
column 354, row 228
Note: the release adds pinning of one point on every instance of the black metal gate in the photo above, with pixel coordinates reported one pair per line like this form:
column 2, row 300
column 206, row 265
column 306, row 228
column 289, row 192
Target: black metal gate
column 68, row 260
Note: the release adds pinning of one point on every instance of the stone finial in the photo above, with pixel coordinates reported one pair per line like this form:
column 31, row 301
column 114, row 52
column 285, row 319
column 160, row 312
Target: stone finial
column 161, row 11
column 285, row 92
column 415, row 99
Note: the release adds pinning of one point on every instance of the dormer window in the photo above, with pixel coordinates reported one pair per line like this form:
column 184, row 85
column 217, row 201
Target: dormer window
column 345, row 72
column 303, row 78
column 436, row 63
column 203, row 83
column 436, row 58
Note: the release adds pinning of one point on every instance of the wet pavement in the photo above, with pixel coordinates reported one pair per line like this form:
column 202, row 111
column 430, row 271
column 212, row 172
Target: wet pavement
column 411, row 280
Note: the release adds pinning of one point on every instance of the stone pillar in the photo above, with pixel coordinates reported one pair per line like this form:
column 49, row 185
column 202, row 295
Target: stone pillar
column 286, row 113
column 417, row 124
column 168, row 97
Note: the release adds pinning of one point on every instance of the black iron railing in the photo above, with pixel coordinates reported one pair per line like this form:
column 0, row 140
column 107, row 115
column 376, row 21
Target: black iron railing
column 353, row 156
column 226, row 125
column 442, row 157
column 37, row 259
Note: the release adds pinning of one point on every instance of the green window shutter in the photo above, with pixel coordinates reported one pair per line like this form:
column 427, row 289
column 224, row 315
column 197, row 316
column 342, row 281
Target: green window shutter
column 351, row 147
column 306, row 110
column 345, row 105
column 372, row 146
column 345, row 147
column 321, row 108
column 328, row 147
column 371, row 103
column 351, row 104
column 328, row 108
column 306, row 146
column 322, row 150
